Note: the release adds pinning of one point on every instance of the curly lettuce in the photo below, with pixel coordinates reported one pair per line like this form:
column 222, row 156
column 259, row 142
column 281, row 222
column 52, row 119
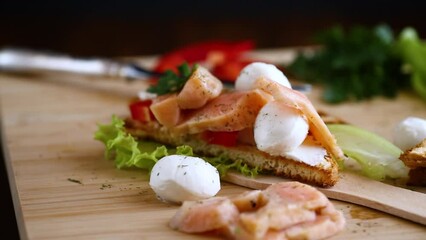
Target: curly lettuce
column 223, row 164
column 125, row 150
column 128, row 152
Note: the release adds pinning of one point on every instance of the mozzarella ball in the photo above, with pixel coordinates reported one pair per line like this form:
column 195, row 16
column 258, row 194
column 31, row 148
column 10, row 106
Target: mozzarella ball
column 253, row 71
column 409, row 132
column 178, row 178
column 279, row 128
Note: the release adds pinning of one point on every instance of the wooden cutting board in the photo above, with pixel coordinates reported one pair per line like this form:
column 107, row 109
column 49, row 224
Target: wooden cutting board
column 63, row 188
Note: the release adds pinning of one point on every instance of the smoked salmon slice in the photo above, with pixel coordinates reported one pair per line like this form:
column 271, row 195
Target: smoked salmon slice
column 286, row 210
column 228, row 112
column 166, row 111
column 200, row 88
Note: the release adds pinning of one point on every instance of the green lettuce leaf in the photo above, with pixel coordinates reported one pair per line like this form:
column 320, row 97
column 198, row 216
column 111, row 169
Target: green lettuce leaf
column 127, row 152
column 223, row 164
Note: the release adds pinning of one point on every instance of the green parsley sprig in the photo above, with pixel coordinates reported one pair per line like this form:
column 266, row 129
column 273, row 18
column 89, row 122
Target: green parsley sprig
column 354, row 65
column 170, row 82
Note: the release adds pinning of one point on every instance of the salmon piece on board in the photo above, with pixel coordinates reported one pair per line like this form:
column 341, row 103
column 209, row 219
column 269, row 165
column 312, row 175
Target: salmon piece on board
column 286, row 210
column 327, row 223
column 203, row 216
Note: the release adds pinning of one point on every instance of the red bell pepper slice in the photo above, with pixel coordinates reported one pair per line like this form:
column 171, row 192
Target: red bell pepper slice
column 227, row 139
column 228, row 71
column 140, row 111
column 229, row 52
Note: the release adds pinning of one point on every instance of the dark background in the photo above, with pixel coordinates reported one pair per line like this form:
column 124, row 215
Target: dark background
column 129, row 27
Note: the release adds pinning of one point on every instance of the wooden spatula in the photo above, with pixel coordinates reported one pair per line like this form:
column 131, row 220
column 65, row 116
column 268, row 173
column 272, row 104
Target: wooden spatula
column 359, row 190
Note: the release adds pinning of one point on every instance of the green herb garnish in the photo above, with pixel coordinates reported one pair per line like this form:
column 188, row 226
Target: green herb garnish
column 413, row 53
column 354, row 65
column 171, row 82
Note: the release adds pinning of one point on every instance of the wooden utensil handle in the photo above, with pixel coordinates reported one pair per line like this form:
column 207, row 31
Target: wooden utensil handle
column 359, row 190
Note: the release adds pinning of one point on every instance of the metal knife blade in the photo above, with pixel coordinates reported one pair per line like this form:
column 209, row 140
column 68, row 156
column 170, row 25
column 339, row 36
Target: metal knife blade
column 24, row 60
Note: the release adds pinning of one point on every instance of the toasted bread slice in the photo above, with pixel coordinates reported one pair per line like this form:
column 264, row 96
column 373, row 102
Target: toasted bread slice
column 417, row 176
column 320, row 175
column 416, row 156
column 415, row 159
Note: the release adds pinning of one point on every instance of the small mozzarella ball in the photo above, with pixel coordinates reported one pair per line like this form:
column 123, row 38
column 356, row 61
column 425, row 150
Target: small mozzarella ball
column 253, row 71
column 178, row 178
column 409, row 132
column 279, row 128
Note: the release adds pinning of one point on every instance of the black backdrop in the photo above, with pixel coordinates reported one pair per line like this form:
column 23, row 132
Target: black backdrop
column 131, row 27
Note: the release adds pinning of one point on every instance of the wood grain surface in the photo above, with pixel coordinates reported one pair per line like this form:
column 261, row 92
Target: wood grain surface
column 63, row 188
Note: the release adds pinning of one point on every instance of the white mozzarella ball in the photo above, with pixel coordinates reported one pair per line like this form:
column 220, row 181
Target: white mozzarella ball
column 253, row 71
column 279, row 128
column 178, row 178
column 409, row 132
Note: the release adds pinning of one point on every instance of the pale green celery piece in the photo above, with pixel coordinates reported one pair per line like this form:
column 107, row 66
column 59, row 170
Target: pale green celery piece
column 377, row 157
